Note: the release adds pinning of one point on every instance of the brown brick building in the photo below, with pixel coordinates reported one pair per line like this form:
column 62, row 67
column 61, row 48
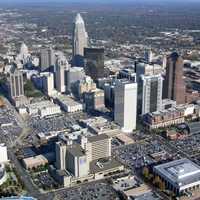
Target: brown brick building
column 174, row 85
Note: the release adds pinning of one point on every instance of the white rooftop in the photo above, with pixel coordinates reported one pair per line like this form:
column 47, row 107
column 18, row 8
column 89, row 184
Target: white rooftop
column 182, row 170
column 180, row 173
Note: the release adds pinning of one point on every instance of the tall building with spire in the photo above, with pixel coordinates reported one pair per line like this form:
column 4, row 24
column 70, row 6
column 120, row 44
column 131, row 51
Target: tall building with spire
column 174, row 82
column 80, row 38
column 61, row 66
column 24, row 53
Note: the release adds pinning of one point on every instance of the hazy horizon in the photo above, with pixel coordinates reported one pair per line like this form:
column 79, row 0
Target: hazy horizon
column 96, row 1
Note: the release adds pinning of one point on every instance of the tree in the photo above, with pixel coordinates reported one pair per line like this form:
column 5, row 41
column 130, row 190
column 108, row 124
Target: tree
column 145, row 172
column 162, row 185
column 156, row 180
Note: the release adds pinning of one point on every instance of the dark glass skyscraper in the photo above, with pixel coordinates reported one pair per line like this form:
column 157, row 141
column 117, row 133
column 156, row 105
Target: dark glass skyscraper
column 94, row 62
column 174, row 82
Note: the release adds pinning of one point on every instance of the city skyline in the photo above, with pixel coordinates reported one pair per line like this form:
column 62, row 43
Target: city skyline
column 99, row 99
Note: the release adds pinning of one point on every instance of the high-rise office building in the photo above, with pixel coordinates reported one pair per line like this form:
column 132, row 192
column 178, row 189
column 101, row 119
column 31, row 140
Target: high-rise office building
column 16, row 84
column 148, row 55
column 60, row 68
column 151, row 94
column 98, row 147
column 24, row 53
column 94, row 62
column 61, row 155
column 94, row 100
column 47, row 58
column 48, row 83
column 174, row 82
column 164, row 62
column 80, row 40
column 128, row 73
column 73, row 75
column 85, row 85
column 147, row 69
column 72, row 158
column 125, row 104
column 109, row 95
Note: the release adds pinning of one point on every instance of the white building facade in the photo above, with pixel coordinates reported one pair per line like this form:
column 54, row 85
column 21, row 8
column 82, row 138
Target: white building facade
column 125, row 105
column 3, row 154
column 61, row 66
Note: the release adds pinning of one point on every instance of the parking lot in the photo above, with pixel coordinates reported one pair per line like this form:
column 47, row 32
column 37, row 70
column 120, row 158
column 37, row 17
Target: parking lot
column 45, row 125
column 139, row 154
column 55, row 123
column 44, row 181
column 9, row 126
column 93, row 191
column 189, row 145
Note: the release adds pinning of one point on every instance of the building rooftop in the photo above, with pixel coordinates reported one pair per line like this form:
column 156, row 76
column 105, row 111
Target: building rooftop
column 18, row 198
column 64, row 173
column 103, row 164
column 100, row 125
column 76, row 150
column 97, row 138
column 179, row 172
column 67, row 100
column 124, row 184
column 42, row 105
column 194, row 127
column 148, row 195
column 34, row 160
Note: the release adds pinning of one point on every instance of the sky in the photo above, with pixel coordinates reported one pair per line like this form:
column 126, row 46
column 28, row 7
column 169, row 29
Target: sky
column 99, row 1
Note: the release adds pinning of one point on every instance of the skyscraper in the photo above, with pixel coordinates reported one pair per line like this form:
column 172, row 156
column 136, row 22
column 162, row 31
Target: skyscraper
column 94, row 100
column 80, row 36
column 125, row 104
column 16, row 84
column 151, row 95
column 61, row 66
column 94, row 62
column 47, row 58
column 85, row 85
column 24, row 53
column 73, row 75
column 174, row 82
column 48, row 83
column 148, row 55
column 72, row 158
column 80, row 39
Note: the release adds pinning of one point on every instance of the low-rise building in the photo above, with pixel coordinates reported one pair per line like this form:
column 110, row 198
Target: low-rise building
column 171, row 116
column 34, row 162
column 68, row 104
column 179, row 176
column 43, row 108
column 168, row 103
column 104, row 167
column 163, row 118
column 100, row 125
